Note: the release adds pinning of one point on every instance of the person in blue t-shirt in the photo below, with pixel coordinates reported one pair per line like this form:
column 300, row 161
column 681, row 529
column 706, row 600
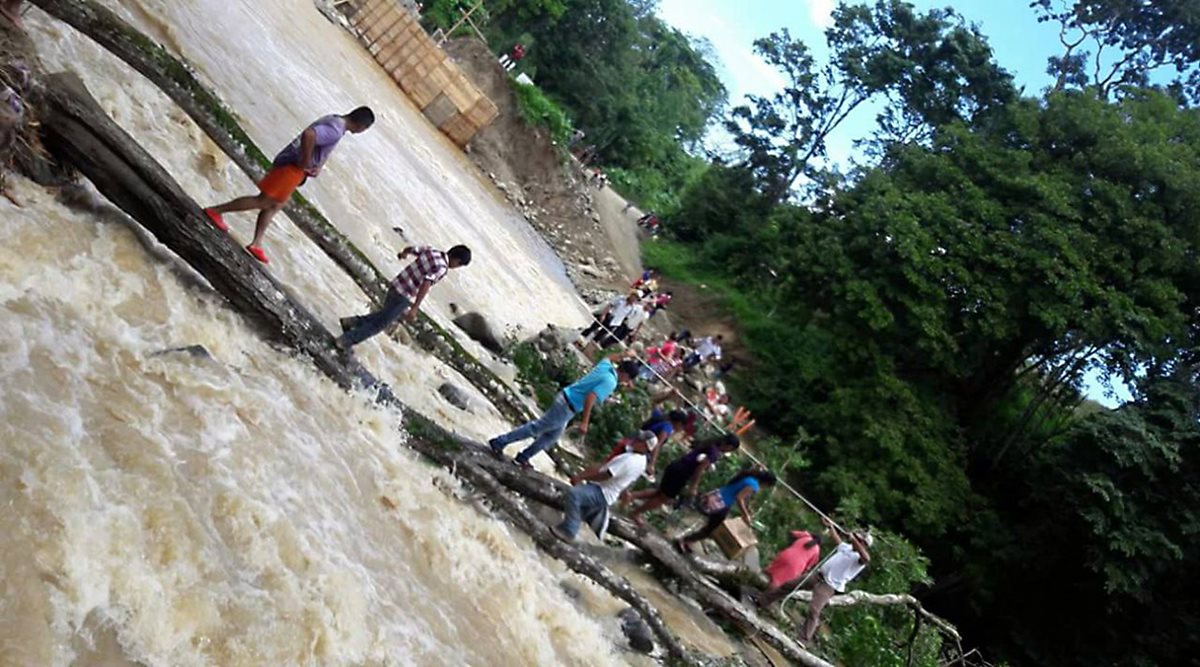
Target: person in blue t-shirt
column 718, row 503
column 577, row 399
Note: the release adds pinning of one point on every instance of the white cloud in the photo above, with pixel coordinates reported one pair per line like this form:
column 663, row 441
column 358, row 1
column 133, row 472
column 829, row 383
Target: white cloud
column 821, row 12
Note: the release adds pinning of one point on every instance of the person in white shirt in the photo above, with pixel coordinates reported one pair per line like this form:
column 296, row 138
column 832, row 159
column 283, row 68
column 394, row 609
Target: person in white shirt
column 604, row 483
column 601, row 332
column 631, row 324
column 846, row 563
column 706, row 349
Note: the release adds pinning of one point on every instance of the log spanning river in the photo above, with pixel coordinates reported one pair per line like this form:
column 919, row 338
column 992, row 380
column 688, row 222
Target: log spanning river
column 238, row 509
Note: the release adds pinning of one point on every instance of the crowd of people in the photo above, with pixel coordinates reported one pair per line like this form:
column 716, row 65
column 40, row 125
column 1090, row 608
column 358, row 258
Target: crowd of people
column 619, row 322
column 693, row 438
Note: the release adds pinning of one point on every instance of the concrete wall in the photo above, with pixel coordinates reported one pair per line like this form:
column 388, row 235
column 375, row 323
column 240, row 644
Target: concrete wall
column 422, row 69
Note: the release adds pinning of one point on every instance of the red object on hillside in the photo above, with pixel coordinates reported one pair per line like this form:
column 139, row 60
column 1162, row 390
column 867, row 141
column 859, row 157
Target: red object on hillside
column 518, row 52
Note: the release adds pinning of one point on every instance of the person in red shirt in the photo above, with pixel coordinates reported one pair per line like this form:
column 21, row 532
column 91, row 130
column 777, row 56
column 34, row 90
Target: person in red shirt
column 789, row 565
column 407, row 291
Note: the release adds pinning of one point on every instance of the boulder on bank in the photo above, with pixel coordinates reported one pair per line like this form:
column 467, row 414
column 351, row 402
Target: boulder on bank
column 455, row 396
column 640, row 637
column 478, row 329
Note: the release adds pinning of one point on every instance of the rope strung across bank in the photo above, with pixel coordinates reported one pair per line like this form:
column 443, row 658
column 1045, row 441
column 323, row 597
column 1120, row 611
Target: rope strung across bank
column 712, row 422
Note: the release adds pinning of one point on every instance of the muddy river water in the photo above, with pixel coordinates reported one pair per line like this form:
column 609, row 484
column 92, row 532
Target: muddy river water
column 170, row 509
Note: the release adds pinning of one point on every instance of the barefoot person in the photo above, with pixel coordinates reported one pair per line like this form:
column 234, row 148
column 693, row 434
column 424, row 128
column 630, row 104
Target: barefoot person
column 683, row 475
column 577, row 399
column 716, row 505
column 407, row 291
column 604, row 483
column 300, row 160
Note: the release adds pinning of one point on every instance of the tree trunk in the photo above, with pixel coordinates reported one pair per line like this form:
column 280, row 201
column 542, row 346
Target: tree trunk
column 175, row 79
column 79, row 132
column 550, row 492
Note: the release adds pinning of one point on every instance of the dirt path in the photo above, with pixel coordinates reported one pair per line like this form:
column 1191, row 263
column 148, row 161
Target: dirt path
column 621, row 228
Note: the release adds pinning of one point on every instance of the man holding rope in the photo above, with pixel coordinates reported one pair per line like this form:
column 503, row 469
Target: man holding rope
column 846, row 563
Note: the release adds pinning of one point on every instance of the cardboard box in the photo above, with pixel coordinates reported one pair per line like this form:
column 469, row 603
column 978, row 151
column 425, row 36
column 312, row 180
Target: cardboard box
column 734, row 536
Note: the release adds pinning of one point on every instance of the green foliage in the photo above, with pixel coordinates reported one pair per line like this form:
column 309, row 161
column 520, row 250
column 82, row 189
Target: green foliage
column 933, row 68
column 1111, row 513
column 537, row 110
column 641, row 90
column 546, row 374
column 1146, row 36
column 619, row 417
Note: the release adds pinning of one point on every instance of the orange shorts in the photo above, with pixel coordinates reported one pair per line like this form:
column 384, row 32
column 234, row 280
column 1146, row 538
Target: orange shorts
column 281, row 182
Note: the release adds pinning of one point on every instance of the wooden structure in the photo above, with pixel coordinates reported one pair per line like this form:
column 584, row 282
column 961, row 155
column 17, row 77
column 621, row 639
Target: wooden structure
column 734, row 537
column 422, row 69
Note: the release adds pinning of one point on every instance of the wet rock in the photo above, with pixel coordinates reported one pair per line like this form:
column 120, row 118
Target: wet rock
column 636, row 631
column 455, row 396
column 193, row 351
column 478, row 329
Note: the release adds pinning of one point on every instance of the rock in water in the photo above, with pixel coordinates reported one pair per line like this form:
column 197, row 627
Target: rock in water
column 195, row 351
column 455, row 396
column 636, row 630
column 480, row 330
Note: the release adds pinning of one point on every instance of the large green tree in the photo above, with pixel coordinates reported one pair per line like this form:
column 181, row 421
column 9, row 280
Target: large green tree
column 1111, row 44
column 933, row 67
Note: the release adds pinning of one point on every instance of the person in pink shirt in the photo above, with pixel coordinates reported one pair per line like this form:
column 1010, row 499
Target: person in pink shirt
column 791, row 564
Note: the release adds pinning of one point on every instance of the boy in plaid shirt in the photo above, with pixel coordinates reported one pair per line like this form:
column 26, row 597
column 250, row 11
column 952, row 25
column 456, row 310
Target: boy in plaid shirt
column 406, row 293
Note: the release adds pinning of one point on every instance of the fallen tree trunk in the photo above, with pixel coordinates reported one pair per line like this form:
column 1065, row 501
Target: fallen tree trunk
column 80, row 133
column 886, row 599
column 550, row 492
column 176, row 80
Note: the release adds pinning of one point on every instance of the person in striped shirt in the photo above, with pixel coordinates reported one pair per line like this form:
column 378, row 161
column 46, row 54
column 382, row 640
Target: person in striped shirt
column 407, row 291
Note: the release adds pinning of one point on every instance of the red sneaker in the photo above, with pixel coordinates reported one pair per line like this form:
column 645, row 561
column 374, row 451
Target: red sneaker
column 216, row 219
column 258, row 253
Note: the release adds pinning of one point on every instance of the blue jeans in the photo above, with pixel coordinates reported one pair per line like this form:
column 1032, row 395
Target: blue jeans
column 544, row 430
column 365, row 326
column 584, row 503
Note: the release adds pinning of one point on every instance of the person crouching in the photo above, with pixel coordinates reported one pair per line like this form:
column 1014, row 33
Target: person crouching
column 602, row 484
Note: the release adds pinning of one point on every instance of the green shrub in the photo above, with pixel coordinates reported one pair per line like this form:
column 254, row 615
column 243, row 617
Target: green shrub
column 537, row 110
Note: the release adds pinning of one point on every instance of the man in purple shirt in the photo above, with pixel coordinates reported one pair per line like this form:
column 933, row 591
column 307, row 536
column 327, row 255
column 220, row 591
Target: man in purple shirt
column 300, row 160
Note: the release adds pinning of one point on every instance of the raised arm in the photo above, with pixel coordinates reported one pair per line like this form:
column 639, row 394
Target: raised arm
column 863, row 554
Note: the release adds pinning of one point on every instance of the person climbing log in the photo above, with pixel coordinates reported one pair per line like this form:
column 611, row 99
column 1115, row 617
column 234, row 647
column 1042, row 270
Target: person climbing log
column 846, row 563
column 683, row 475
column 716, row 505
column 578, row 398
column 407, row 291
column 602, row 485
column 296, row 163
column 787, row 569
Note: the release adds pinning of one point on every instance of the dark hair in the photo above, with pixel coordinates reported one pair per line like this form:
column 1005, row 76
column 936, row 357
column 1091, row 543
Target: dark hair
column 460, row 253
column 814, row 542
column 727, row 440
column 629, row 369
column 720, row 337
column 763, row 476
column 677, row 416
column 362, row 117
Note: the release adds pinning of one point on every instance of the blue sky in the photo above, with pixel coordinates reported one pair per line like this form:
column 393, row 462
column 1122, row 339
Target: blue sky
column 1021, row 45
